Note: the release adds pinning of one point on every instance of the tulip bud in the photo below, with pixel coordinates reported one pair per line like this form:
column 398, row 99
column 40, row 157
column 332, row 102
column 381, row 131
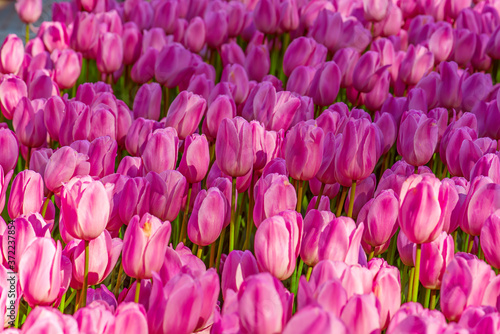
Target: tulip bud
column 26, row 195
column 11, row 54
column 173, row 64
column 185, row 113
column 208, row 216
column 340, row 241
column 196, row 158
column 326, row 84
column 160, row 152
column 303, row 51
column 238, row 266
column 233, row 147
column 147, row 101
column 109, row 53
column 435, row 257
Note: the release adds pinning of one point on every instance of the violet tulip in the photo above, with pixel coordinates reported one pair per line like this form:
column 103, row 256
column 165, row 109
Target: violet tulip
column 303, row 151
column 144, row 242
column 167, row 191
column 160, row 152
column 185, row 113
column 315, row 223
column 489, row 235
column 28, row 124
column 418, row 137
column 147, row 102
column 326, row 84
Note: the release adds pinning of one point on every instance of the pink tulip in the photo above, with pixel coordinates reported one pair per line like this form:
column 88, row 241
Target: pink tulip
column 143, row 245
column 179, row 65
column 167, row 190
column 185, row 113
column 208, row 217
column 96, row 317
column 11, row 54
column 277, row 243
column 147, row 102
column 10, row 145
column 43, row 272
column 238, row 266
column 85, row 207
column 109, row 53
column 315, row 223
column 67, row 69
column 28, row 124
column 46, row 319
column 160, row 152
column 135, row 197
column 362, row 314
column 303, row 51
column 315, row 319
column 340, row 241
column 26, row 195
column 12, row 89
column 489, row 235
column 436, row 256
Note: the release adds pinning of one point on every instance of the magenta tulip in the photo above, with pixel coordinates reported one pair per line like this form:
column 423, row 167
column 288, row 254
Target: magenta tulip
column 233, row 147
column 208, row 217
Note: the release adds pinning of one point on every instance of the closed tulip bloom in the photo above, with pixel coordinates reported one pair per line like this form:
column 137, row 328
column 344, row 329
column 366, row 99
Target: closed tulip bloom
column 10, row 147
column 104, row 252
column 26, row 195
column 216, row 22
column 102, row 155
column 138, row 133
column 267, row 16
column 300, row 79
column 195, row 159
column 85, row 35
column 266, row 145
column 67, row 68
column 455, row 141
column 173, row 64
column 441, row 43
column 340, row 241
column 28, row 124
column 54, row 35
column 144, row 242
column 417, row 62
column 364, row 192
column 489, row 236
column 237, row 267
column 303, row 51
column 303, row 150
column 480, row 60
column 42, row 272
column 132, row 43
column 185, row 113
column 435, row 257
column 233, row 147
column 62, row 166
column 194, row 37
column 237, row 75
column 136, row 196
column 257, row 62
column 167, row 191
column 464, row 283
column 362, row 314
column 464, row 46
column 259, row 292
column 222, row 107
column 328, row 21
column 147, row 101
column 488, row 165
column 375, row 11
column 109, row 53
column 315, row 223
column 12, row 90
column 325, row 84
column 380, row 217
column 29, row 11
column 449, row 88
column 368, row 71
column 95, row 317
column 231, row 53
column 423, row 200
column 11, row 54
column 272, row 194
column 143, row 69
column 277, row 243
column 47, row 319
column 417, row 139
column 315, row 319
column 358, row 151
column 208, row 216
column 85, row 207
column 160, row 153
column 483, row 198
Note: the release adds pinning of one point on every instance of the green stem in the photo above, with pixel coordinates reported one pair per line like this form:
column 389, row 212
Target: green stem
column 86, row 274
column 63, row 302
column 137, row 290
column 416, row 277
column 351, row 200
column 427, row 298
column 465, row 245
column 28, row 157
column 27, row 33
column 200, row 252
column 471, row 243
column 318, row 199
column 118, row 281
column 233, row 214
column 392, row 248
column 372, row 253
column 46, row 203
column 341, row 202
column 480, row 253
column 212, row 254
column 300, row 188
column 183, row 232
column 219, row 251
column 309, row 272
column 433, row 299
column 70, row 299
column 410, row 284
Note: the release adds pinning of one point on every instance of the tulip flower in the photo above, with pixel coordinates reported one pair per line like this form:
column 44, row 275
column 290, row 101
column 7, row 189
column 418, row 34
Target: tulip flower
column 267, row 16
column 303, row 51
column 362, row 314
column 340, row 241
column 315, row 223
column 207, row 218
column 43, row 272
column 103, row 253
column 272, row 194
column 67, row 69
column 464, row 282
column 144, row 68
column 417, row 139
column 435, row 257
column 160, row 152
column 185, row 113
column 85, row 207
column 417, row 62
column 144, row 242
column 12, row 89
column 257, row 54
column 95, row 317
column 315, row 319
column 147, row 102
column 238, row 266
column 11, row 54
column 109, row 53
column 326, row 84
column 167, row 190
column 364, row 192
column 178, row 60
column 263, row 291
column 277, row 243
column 489, row 235
column 216, row 22
column 130, row 317
column 26, row 195
column 136, row 194
column 368, row 71
column 28, row 124
column 10, row 146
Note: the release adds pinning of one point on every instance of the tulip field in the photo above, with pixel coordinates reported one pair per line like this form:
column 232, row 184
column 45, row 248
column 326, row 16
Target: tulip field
column 251, row 166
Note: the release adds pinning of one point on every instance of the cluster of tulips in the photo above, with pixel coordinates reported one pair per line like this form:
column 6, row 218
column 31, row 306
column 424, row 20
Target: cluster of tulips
column 251, row 166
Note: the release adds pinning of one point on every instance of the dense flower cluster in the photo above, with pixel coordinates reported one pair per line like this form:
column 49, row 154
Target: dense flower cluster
column 251, row 166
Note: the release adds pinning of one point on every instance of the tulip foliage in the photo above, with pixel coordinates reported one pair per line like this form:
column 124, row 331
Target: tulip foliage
column 251, row 166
